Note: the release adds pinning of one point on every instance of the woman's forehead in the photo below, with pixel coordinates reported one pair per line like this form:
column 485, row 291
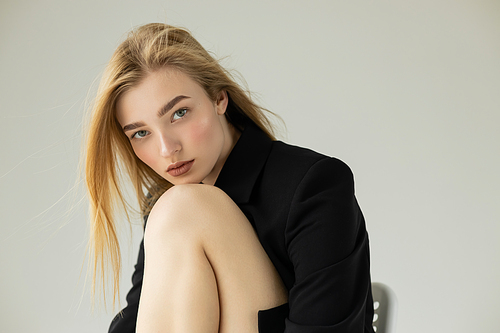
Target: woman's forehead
column 156, row 91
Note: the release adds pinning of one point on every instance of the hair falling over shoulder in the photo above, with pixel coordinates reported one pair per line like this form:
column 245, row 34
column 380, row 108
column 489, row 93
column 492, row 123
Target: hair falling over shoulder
column 109, row 155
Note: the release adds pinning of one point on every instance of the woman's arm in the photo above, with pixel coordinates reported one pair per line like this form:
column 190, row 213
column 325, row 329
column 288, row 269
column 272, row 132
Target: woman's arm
column 328, row 245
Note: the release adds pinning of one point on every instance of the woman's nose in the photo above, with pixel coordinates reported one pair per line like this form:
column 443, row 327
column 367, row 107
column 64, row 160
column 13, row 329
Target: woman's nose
column 168, row 145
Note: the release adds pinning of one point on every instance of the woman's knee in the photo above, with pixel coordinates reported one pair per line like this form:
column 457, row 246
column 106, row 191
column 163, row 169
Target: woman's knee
column 188, row 209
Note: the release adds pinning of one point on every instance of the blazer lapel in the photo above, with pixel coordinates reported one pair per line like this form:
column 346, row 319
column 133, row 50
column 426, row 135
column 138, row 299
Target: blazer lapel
column 244, row 164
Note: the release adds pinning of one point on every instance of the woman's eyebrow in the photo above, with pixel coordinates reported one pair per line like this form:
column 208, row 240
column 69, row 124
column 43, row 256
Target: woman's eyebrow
column 170, row 105
column 167, row 107
column 132, row 126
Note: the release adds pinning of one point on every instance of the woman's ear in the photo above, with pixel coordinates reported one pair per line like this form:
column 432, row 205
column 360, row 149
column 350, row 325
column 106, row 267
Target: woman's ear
column 221, row 102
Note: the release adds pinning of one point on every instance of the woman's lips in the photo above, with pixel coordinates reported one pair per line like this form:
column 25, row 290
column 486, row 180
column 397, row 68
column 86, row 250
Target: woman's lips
column 179, row 168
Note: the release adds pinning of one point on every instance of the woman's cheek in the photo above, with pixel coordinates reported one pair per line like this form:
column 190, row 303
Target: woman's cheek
column 145, row 156
column 202, row 132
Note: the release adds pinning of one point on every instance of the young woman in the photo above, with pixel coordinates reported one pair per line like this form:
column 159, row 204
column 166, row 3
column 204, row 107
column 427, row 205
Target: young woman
column 243, row 233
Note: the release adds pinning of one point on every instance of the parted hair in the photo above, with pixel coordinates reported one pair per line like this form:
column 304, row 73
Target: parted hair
column 109, row 154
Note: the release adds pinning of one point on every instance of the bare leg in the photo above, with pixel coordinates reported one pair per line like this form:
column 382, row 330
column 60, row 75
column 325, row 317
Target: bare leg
column 205, row 268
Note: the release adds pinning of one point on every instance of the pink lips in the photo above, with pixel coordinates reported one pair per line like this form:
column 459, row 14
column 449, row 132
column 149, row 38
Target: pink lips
column 179, row 168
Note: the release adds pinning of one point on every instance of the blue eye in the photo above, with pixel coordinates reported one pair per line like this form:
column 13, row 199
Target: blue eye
column 179, row 114
column 139, row 134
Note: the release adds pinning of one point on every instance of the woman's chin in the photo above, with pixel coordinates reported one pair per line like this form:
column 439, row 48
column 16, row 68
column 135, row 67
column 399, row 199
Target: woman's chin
column 184, row 181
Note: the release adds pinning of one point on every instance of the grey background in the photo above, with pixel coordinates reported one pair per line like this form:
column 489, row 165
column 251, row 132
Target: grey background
column 405, row 92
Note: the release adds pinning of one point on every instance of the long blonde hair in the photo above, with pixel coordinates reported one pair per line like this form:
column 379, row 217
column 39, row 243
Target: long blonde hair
column 146, row 49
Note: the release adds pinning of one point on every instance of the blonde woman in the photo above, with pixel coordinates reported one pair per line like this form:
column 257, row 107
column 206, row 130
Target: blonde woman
column 244, row 233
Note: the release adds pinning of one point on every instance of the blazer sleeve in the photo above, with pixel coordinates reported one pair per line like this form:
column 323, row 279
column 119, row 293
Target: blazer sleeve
column 125, row 320
column 328, row 246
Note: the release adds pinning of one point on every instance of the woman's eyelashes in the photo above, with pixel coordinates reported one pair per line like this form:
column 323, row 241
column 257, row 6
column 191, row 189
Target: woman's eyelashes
column 175, row 116
column 139, row 134
column 179, row 114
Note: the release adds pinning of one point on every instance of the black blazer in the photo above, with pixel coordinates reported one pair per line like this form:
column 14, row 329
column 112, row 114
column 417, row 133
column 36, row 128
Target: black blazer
column 303, row 208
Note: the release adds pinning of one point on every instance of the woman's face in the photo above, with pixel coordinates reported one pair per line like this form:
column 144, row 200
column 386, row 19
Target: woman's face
column 175, row 128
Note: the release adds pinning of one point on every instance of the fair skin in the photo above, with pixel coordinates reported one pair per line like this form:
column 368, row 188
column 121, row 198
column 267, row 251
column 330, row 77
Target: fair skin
column 205, row 269
column 169, row 119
